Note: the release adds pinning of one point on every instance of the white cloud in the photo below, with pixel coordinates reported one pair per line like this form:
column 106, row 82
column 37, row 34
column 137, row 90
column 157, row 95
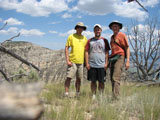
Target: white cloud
column 53, row 32
column 11, row 30
column 74, row 9
column 67, row 33
column 150, row 3
column 32, row 32
column 13, row 21
column 145, row 29
column 132, row 10
column 35, row 8
column 67, row 15
column 54, row 22
column 96, row 7
column 107, row 35
column 141, row 27
column 118, row 7
column 88, row 34
column 24, row 32
column 79, row 16
column 104, row 28
column 70, row 0
column 91, row 7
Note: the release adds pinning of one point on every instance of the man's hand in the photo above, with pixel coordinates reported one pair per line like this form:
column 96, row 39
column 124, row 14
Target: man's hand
column 105, row 66
column 69, row 63
column 127, row 65
column 88, row 66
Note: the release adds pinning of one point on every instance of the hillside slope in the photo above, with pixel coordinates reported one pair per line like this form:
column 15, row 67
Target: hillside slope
column 51, row 63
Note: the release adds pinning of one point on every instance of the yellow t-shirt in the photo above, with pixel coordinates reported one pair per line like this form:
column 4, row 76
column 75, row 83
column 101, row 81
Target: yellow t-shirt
column 77, row 44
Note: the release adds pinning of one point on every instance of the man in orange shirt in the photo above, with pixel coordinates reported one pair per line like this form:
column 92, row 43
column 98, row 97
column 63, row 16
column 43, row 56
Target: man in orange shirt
column 120, row 49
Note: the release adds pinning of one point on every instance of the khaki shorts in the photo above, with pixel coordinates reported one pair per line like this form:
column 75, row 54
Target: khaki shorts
column 75, row 69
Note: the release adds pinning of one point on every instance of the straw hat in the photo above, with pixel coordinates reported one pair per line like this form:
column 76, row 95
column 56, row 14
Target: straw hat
column 80, row 24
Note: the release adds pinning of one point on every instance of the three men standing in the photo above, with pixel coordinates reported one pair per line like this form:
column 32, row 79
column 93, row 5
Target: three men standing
column 96, row 57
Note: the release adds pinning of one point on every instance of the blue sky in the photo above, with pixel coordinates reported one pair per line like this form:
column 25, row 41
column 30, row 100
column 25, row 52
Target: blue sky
column 49, row 22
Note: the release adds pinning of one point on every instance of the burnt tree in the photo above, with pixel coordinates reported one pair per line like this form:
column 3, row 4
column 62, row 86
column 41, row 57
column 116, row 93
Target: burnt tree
column 145, row 44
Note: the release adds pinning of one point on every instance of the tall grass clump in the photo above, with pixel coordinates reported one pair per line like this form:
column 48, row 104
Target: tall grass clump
column 135, row 103
column 150, row 106
column 33, row 75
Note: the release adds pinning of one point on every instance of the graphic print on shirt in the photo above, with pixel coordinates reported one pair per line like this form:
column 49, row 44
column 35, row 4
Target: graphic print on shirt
column 97, row 47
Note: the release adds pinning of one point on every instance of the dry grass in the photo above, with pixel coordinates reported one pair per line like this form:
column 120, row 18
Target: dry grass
column 135, row 103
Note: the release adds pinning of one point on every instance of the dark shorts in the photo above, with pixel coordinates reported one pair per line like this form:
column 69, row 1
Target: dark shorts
column 96, row 74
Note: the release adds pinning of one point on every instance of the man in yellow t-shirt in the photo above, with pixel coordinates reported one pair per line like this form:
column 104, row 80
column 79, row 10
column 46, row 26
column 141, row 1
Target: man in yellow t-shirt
column 75, row 58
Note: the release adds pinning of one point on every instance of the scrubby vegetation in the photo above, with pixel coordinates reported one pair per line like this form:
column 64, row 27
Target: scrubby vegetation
column 135, row 103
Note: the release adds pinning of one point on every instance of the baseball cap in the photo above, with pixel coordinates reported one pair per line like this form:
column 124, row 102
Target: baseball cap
column 97, row 25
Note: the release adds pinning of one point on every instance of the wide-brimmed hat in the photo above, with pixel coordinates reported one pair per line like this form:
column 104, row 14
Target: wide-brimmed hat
column 115, row 22
column 98, row 25
column 80, row 24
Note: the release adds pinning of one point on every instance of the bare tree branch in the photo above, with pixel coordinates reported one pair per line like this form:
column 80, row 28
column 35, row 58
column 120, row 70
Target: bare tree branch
column 146, row 50
column 3, row 49
column 3, row 26
column 5, row 76
column 10, row 39
column 17, row 75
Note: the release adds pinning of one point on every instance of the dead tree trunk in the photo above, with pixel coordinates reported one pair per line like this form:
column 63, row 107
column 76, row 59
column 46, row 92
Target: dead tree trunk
column 3, row 49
